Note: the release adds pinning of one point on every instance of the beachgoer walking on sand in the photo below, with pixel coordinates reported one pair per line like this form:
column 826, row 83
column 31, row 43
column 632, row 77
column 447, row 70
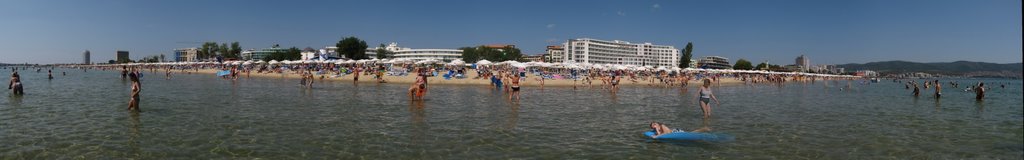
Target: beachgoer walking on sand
column 705, row 95
column 133, row 103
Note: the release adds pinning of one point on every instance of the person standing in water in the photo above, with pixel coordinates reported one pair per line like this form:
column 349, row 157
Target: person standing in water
column 356, row 71
column 515, row 87
column 133, row 103
column 49, row 74
column 124, row 72
column 167, row 73
column 704, row 98
column 15, row 84
column 979, row 92
column 938, row 89
column 917, row 90
column 418, row 89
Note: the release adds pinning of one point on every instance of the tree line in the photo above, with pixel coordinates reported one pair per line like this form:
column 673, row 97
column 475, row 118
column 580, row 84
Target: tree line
column 212, row 49
column 473, row 54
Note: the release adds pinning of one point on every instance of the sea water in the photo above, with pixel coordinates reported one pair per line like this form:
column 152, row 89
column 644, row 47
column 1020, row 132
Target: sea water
column 199, row 116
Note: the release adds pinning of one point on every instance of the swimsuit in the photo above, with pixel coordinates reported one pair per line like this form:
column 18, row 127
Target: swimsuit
column 705, row 96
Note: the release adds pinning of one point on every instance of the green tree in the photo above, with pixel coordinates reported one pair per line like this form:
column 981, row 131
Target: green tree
column 294, row 53
column 383, row 53
column 684, row 61
column 208, row 50
column 513, row 54
column 743, row 64
column 290, row 54
column 223, row 50
column 352, row 48
column 473, row 54
column 469, row 54
column 162, row 58
column 235, row 50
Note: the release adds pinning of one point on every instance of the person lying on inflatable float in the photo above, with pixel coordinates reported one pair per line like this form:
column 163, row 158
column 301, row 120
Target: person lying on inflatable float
column 662, row 129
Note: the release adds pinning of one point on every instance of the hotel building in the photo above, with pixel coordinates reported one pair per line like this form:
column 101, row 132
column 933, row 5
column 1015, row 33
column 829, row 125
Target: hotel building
column 803, row 63
column 417, row 54
column 554, row 54
column 595, row 51
column 256, row 55
column 534, row 58
column 86, row 57
column 122, row 57
column 186, row 55
column 714, row 62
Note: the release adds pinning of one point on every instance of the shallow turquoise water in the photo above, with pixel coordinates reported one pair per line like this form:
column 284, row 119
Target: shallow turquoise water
column 82, row 115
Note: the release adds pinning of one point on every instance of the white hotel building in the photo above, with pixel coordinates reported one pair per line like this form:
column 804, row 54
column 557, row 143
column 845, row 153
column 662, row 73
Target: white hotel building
column 418, row 54
column 594, row 51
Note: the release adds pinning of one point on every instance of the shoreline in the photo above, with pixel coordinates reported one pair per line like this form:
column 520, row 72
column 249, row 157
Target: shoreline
column 530, row 81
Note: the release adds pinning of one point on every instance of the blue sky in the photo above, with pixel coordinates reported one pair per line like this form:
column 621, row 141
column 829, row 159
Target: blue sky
column 834, row 32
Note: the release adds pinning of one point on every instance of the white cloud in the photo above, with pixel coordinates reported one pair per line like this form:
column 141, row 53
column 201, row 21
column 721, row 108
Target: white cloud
column 550, row 26
column 656, row 6
column 620, row 13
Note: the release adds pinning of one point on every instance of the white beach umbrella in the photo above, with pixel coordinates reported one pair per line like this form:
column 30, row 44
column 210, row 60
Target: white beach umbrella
column 483, row 62
column 508, row 62
column 457, row 62
column 518, row 65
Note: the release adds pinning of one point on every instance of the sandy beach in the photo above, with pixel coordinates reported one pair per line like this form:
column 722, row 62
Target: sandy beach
column 532, row 81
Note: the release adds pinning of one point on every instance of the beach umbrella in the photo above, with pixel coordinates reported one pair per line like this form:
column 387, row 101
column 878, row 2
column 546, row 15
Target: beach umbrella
column 457, row 62
column 519, row 65
column 483, row 62
column 508, row 62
